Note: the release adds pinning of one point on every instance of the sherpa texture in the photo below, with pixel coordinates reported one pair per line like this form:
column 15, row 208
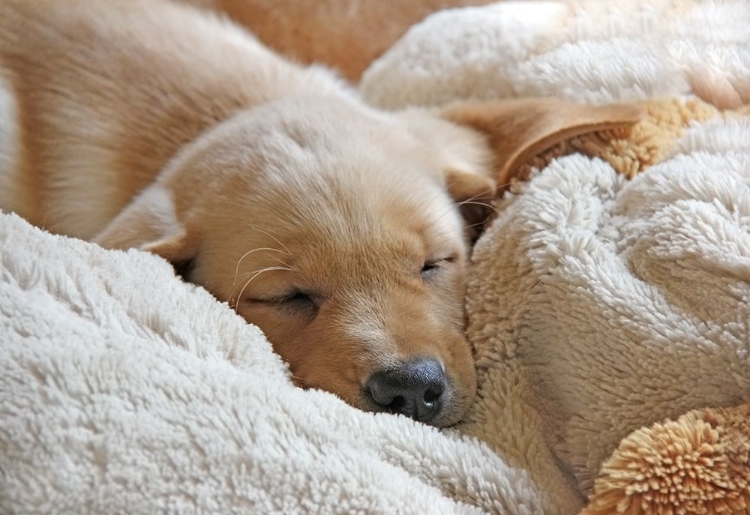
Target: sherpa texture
column 582, row 50
column 596, row 306
column 699, row 463
column 599, row 305
column 125, row 390
column 620, row 303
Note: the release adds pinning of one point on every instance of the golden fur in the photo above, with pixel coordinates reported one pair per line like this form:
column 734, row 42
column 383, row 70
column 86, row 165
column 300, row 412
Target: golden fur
column 345, row 34
column 332, row 226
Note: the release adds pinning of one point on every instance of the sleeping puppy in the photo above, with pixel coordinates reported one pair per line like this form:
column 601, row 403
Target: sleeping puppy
column 334, row 227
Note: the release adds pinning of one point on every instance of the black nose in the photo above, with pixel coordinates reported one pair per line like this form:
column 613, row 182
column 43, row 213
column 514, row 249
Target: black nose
column 414, row 389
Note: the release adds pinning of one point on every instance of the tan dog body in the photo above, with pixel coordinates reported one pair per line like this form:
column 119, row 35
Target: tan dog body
column 149, row 125
column 331, row 225
column 345, row 34
column 104, row 102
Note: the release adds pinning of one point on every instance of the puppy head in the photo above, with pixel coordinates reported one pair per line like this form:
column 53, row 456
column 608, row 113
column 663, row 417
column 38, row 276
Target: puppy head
column 330, row 226
column 338, row 231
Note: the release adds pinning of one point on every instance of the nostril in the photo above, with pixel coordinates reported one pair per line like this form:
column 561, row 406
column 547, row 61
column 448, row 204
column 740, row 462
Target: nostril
column 415, row 388
column 382, row 393
column 432, row 395
column 397, row 404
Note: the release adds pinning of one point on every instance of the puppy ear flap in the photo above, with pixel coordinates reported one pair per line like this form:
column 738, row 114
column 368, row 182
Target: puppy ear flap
column 519, row 129
column 149, row 223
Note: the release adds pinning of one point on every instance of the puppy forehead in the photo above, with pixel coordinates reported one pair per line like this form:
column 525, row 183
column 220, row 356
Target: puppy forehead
column 340, row 191
column 357, row 229
column 354, row 187
column 317, row 231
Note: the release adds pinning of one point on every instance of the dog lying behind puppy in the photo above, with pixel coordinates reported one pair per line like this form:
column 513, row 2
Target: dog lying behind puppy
column 334, row 227
column 345, row 34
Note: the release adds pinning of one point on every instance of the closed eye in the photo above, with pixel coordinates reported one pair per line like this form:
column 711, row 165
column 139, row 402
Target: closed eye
column 433, row 266
column 428, row 268
column 295, row 300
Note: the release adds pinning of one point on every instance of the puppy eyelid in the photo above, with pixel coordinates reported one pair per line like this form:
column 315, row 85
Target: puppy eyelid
column 291, row 297
column 431, row 266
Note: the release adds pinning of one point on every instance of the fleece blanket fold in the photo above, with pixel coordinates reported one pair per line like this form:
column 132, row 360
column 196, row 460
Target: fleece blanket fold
column 580, row 50
column 624, row 302
column 597, row 305
column 125, row 390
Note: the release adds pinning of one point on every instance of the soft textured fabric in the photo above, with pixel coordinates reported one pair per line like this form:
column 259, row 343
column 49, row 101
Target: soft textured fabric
column 582, row 50
column 623, row 303
column 125, row 390
column 697, row 464
column 596, row 306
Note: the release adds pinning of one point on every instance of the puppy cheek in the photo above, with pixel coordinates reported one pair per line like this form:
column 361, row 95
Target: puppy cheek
column 323, row 360
column 461, row 366
column 283, row 333
column 467, row 375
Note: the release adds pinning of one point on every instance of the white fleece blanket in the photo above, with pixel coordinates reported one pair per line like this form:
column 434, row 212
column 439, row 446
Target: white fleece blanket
column 595, row 306
column 125, row 390
column 598, row 306
column 582, row 50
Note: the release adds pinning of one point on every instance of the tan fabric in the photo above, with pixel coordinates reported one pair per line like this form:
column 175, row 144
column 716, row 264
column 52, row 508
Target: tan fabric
column 343, row 34
column 632, row 150
column 697, row 464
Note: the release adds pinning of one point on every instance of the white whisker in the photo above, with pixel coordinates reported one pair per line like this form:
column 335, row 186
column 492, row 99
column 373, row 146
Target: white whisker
column 237, row 268
column 290, row 267
column 254, row 275
column 483, row 204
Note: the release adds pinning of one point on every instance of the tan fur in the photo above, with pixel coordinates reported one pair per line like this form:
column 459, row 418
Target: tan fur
column 139, row 123
column 345, row 34
column 522, row 129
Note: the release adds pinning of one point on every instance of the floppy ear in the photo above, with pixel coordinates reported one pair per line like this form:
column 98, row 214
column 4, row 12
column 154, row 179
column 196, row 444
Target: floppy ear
column 149, row 223
column 519, row 129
